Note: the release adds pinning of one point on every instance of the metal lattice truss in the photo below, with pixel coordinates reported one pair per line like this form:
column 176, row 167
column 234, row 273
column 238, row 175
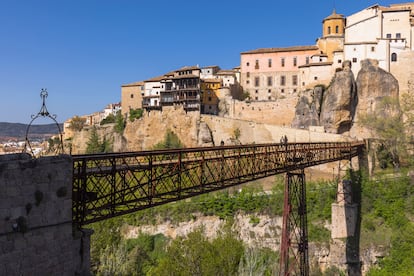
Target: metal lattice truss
column 108, row 185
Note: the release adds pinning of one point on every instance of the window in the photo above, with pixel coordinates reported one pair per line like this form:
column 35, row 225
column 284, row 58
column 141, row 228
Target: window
column 269, row 62
column 329, row 29
column 256, row 66
column 248, row 74
column 247, row 63
column 269, row 98
column 269, row 81
column 393, row 57
column 282, row 90
column 256, row 98
column 295, row 61
column 315, row 78
column 282, row 80
column 339, row 61
column 269, row 91
column 256, row 81
column 209, row 99
column 132, row 96
column 256, row 91
column 354, row 60
column 372, row 49
column 282, row 62
column 337, row 29
column 247, row 82
column 307, row 60
column 294, row 80
column 294, row 90
column 388, row 35
column 398, row 35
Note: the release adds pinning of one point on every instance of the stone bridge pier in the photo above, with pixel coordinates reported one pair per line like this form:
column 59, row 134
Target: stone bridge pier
column 36, row 233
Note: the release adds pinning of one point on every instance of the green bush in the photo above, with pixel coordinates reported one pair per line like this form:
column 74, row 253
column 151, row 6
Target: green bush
column 135, row 114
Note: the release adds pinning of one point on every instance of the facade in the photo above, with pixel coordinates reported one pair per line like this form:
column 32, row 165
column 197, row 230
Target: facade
column 210, row 90
column 381, row 33
column 131, row 96
column 270, row 73
column 209, row 72
column 152, row 93
column 185, row 88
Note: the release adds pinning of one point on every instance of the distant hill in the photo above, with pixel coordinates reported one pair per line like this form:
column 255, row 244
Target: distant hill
column 18, row 131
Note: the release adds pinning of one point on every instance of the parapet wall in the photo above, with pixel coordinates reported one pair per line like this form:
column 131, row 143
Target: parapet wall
column 36, row 235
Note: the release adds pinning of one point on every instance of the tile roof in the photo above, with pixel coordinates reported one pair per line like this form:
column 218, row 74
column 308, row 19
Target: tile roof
column 282, row 49
column 137, row 83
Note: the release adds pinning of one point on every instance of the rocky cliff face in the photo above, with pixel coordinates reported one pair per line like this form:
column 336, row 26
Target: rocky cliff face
column 346, row 99
column 308, row 109
column 339, row 102
column 374, row 84
column 264, row 234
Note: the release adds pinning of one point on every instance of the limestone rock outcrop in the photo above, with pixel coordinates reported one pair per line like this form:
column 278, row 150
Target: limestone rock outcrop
column 346, row 99
column 374, row 84
column 339, row 102
column 308, row 109
column 333, row 108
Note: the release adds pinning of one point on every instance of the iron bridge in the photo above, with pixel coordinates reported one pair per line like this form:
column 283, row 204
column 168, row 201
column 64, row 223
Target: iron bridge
column 109, row 185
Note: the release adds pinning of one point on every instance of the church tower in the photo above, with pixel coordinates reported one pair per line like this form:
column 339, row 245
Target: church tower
column 333, row 33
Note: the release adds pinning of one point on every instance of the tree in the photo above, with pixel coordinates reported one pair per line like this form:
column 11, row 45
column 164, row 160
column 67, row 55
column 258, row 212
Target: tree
column 386, row 124
column 95, row 146
column 110, row 119
column 77, row 123
column 171, row 141
column 119, row 123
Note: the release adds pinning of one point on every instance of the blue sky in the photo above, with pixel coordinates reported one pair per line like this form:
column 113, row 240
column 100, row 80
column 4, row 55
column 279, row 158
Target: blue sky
column 82, row 51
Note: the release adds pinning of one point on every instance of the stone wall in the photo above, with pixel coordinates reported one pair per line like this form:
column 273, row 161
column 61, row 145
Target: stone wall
column 222, row 129
column 280, row 112
column 36, row 236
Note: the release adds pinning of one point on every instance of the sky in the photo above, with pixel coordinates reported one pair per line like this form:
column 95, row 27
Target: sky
column 82, row 51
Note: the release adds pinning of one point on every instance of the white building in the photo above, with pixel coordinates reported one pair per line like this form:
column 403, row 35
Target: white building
column 152, row 93
column 381, row 33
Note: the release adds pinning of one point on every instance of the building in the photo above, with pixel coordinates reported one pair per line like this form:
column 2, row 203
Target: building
column 330, row 56
column 185, row 88
column 210, row 90
column 131, row 96
column 380, row 33
column 151, row 98
column 384, row 34
column 270, row 73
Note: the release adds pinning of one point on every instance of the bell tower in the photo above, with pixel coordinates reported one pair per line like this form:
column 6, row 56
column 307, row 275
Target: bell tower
column 333, row 34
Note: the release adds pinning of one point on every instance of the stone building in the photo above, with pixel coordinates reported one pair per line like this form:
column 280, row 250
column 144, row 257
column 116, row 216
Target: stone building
column 131, row 96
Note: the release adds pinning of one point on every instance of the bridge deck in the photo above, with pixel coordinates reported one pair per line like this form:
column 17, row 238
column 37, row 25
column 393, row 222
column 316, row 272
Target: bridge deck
column 108, row 185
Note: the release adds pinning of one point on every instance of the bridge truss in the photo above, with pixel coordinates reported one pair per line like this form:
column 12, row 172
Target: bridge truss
column 109, row 185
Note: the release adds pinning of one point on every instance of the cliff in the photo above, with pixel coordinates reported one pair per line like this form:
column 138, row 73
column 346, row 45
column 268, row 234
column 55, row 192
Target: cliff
column 338, row 107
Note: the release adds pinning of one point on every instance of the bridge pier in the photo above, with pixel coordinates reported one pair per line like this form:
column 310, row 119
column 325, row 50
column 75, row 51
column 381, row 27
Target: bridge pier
column 36, row 230
column 344, row 246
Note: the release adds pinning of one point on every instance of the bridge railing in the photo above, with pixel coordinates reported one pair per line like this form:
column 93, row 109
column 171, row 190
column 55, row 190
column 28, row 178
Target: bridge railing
column 108, row 185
